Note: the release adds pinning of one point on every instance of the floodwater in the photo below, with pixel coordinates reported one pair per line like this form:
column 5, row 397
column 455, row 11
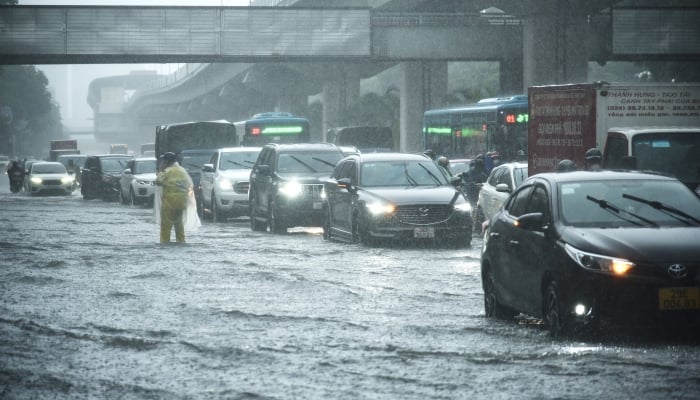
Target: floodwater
column 91, row 306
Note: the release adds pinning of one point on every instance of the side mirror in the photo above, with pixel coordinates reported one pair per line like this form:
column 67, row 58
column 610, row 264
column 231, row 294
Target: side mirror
column 208, row 168
column 530, row 222
column 346, row 183
column 502, row 187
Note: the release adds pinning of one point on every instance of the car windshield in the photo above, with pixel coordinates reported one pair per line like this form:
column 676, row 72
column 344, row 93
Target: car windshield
column 193, row 162
column 114, row 164
column 401, row 173
column 145, row 167
column 238, row 160
column 48, row 169
column 300, row 162
column 616, row 203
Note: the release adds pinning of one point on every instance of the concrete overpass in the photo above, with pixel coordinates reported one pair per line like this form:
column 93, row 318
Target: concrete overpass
column 312, row 46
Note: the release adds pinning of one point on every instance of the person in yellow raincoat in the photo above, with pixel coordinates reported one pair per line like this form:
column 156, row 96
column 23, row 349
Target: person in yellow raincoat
column 177, row 185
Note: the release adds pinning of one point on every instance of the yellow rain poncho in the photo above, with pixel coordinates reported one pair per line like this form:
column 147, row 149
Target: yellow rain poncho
column 176, row 189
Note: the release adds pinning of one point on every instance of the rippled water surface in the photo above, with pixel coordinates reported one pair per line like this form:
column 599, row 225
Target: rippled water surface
column 92, row 307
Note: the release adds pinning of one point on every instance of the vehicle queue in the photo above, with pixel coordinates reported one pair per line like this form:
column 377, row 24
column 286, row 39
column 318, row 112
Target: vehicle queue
column 577, row 249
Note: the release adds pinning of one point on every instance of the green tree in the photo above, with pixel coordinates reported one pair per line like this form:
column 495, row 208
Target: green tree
column 30, row 116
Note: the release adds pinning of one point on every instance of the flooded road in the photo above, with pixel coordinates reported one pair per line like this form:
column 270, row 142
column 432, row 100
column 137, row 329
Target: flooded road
column 91, row 306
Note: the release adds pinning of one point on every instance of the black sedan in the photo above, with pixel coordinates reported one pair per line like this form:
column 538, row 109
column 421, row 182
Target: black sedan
column 394, row 196
column 578, row 248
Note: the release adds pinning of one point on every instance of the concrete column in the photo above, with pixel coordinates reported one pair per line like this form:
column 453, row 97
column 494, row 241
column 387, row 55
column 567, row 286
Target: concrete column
column 423, row 85
column 511, row 75
column 339, row 91
column 554, row 42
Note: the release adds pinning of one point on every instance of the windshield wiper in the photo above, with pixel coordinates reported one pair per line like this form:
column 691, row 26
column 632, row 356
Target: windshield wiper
column 409, row 178
column 295, row 158
column 323, row 161
column 239, row 164
column 615, row 210
column 435, row 178
column 666, row 209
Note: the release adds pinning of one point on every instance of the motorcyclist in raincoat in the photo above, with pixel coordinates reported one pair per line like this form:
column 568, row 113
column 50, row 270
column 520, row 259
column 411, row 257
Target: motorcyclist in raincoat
column 177, row 185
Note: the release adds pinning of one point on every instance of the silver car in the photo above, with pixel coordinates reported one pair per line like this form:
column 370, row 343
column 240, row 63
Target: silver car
column 225, row 182
column 48, row 177
column 136, row 185
column 502, row 180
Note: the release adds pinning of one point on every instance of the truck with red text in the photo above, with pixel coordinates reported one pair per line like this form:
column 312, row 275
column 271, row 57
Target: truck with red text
column 63, row 146
column 642, row 126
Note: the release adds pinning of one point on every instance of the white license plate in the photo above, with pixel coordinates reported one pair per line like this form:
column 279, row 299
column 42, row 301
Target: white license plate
column 424, row 232
column 318, row 205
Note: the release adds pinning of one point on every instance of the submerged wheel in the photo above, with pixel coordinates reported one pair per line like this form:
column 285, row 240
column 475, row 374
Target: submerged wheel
column 492, row 307
column 326, row 224
column 553, row 316
column 255, row 224
column 277, row 223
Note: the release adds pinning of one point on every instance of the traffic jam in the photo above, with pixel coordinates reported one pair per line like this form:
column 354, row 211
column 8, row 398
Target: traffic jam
column 589, row 216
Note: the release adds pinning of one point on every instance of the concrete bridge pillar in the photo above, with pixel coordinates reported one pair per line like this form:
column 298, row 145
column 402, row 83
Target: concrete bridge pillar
column 423, row 86
column 340, row 90
column 555, row 43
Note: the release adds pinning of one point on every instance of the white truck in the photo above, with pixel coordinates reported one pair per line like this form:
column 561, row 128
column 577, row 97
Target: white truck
column 641, row 126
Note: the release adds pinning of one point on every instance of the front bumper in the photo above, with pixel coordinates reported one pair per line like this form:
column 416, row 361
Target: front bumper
column 407, row 225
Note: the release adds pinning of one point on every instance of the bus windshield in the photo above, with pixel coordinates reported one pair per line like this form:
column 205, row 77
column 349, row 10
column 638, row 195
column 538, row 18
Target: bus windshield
column 274, row 127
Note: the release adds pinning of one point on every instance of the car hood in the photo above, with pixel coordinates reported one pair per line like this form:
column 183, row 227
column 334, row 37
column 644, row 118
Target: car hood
column 236, row 174
column 415, row 194
column 151, row 176
column 647, row 244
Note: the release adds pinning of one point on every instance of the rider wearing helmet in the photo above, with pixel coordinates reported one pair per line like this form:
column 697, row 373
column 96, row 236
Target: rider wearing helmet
column 566, row 165
column 594, row 159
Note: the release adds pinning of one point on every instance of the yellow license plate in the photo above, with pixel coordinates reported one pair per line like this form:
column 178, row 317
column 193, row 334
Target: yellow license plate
column 679, row 298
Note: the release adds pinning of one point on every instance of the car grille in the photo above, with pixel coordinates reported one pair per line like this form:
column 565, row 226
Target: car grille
column 52, row 182
column 423, row 214
column 241, row 187
column 312, row 191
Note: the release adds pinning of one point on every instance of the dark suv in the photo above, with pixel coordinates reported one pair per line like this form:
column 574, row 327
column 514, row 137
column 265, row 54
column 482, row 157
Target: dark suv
column 100, row 176
column 286, row 185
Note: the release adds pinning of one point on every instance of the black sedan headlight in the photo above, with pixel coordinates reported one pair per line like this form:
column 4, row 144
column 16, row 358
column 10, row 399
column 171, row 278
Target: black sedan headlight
column 599, row 263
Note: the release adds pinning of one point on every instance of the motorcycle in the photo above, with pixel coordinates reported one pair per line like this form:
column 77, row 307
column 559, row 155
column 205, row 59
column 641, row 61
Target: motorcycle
column 16, row 180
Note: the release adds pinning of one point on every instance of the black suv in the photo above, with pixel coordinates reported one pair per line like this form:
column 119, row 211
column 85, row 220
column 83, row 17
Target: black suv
column 286, row 185
column 100, row 176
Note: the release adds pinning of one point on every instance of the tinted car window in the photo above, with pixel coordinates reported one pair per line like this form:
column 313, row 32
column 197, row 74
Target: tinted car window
column 495, row 176
column 519, row 175
column 517, row 204
column 402, row 173
column 539, row 202
column 505, row 178
column 237, row 160
column 144, row 167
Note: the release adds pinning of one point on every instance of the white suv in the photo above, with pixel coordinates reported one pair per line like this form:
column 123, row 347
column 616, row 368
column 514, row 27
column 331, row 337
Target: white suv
column 136, row 185
column 225, row 182
column 501, row 182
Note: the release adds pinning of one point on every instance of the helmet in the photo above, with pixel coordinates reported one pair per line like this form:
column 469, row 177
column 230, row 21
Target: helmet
column 443, row 161
column 593, row 153
column 566, row 165
column 430, row 153
column 169, row 157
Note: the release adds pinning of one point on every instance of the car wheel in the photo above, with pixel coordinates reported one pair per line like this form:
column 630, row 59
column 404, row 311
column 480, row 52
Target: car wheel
column 277, row 224
column 326, row 224
column 216, row 215
column 132, row 197
column 553, row 316
column 255, row 224
column 478, row 219
column 360, row 233
column 492, row 307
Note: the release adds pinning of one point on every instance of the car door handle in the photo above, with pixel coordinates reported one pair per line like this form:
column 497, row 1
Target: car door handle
column 515, row 242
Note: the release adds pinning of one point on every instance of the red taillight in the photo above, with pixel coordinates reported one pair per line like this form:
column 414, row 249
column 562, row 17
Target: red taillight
column 458, row 133
column 255, row 131
column 510, row 118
